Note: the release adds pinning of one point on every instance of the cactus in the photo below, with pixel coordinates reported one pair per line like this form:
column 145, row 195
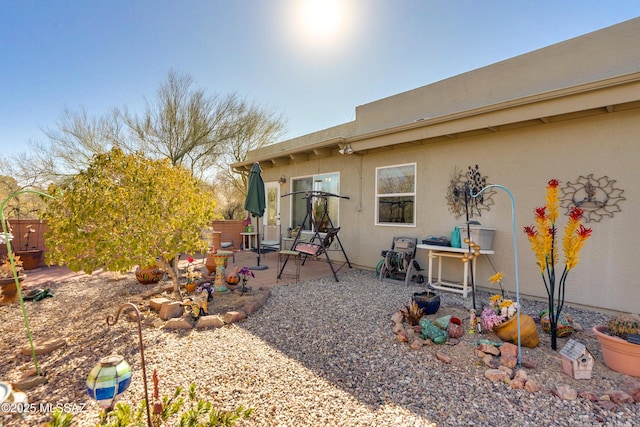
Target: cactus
column 412, row 313
column 624, row 324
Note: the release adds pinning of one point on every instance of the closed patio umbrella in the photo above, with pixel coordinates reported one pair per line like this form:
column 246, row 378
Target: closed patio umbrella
column 255, row 202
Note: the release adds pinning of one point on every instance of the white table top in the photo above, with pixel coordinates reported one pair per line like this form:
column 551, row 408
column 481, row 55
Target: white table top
column 450, row 249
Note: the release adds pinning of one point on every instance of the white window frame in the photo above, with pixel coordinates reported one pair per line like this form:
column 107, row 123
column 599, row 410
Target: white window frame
column 413, row 194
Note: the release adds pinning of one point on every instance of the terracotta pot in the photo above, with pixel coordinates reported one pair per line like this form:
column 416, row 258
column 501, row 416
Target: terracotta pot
column 149, row 274
column 9, row 290
column 191, row 287
column 30, row 259
column 619, row 355
column 508, row 331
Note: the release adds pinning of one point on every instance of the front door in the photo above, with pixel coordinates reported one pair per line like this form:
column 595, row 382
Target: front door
column 271, row 218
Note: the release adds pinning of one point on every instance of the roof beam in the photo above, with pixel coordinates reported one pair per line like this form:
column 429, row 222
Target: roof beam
column 324, row 152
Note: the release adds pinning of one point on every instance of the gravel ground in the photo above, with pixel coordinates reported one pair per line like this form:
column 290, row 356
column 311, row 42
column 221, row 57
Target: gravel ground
column 319, row 353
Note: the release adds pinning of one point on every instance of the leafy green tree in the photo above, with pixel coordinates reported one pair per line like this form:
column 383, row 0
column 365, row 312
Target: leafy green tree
column 126, row 210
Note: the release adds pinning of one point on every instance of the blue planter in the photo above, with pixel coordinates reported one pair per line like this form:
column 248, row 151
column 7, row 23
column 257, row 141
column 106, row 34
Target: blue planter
column 428, row 301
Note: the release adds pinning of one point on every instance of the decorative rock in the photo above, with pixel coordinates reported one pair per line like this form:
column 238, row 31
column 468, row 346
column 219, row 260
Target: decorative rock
column 397, row 317
column 519, row 380
column 507, row 370
column 417, row 344
column 27, row 383
column 252, row 307
column 633, row 388
column 618, row 396
column 178, row 323
column 507, row 349
column 489, row 349
column 588, row 395
column 528, row 363
column 491, row 361
column 497, row 375
column 454, row 331
column 209, row 322
column 532, row 386
column 564, row 392
column 509, row 361
column 156, row 303
column 443, row 358
column 401, row 336
column 170, row 310
column 234, row 316
column 46, row 346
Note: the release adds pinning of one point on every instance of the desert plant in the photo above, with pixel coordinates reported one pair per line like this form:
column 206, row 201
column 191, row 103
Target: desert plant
column 624, row 324
column 126, row 210
column 412, row 313
column 59, row 419
column 192, row 412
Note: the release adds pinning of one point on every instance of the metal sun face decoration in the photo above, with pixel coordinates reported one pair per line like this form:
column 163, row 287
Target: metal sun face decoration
column 597, row 197
column 108, row 380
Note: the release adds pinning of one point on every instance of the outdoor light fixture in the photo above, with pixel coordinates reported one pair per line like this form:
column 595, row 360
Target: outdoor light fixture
column 282, row 179
column 345, row 149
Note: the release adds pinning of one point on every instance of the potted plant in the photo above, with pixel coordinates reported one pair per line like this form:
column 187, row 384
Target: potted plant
column 428, row 301
column 7, row 280
column 244, row 275
column 192, row 275
column 500, row 317
column 618, row 352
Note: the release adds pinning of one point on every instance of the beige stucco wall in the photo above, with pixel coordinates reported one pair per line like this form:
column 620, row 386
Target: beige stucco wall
column 523, row 160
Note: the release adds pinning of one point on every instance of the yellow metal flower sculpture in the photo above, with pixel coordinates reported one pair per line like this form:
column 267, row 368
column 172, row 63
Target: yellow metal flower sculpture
column 542, row 237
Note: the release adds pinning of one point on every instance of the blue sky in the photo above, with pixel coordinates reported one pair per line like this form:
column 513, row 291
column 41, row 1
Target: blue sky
column 99, row 54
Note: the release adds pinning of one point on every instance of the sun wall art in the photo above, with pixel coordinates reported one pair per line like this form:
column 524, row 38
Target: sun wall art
column 597, row 197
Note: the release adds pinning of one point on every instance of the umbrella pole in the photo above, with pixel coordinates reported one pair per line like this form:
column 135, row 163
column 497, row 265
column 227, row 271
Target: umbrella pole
column 258, row 266
column 258, row 239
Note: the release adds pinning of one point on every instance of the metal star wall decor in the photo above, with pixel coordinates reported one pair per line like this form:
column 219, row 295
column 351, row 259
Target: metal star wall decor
column 597, row 197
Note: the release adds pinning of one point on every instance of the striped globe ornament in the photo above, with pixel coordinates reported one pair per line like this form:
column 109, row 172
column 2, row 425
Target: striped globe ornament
column 108, row 380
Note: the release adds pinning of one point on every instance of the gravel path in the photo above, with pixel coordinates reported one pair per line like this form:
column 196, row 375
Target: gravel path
column 319, row 353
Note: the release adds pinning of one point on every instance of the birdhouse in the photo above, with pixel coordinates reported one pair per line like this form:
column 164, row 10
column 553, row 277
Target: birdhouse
column 577, row 362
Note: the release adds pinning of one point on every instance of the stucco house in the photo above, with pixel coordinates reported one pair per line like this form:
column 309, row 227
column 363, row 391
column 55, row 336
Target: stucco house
column 569, row 111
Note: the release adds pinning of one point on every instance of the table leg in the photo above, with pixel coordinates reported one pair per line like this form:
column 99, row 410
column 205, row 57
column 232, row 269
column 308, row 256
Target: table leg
column 430, row 277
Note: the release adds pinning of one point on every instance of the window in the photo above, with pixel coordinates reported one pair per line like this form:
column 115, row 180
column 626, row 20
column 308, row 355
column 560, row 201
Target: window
column 329, row 183
column 396, row 195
